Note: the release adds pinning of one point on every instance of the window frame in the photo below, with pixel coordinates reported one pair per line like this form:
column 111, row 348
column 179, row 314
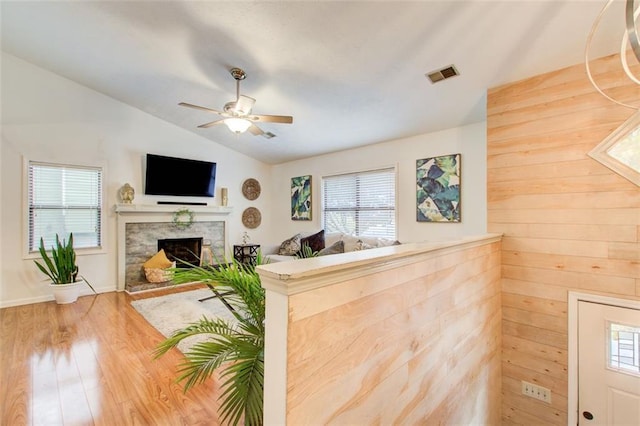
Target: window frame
column 26, row 254
column 365, row 170
column 620, row 367
column 600, row 152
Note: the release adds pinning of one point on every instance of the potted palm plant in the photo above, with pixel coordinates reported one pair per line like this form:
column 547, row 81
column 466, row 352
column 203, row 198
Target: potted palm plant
column 235, row 348
column 62, row 270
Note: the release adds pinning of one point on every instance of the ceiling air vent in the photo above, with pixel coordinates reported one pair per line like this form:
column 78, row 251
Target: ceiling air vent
column 443, row 74
column 268, row 135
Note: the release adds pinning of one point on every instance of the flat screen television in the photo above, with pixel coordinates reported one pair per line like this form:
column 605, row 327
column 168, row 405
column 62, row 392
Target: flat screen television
column 179, row 177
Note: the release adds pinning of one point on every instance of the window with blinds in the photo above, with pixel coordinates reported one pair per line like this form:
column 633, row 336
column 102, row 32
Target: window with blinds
column 362, row 204
column 64, row 200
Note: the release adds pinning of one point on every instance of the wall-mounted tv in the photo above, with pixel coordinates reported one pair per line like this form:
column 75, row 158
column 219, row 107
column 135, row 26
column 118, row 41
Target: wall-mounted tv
column 179, row 177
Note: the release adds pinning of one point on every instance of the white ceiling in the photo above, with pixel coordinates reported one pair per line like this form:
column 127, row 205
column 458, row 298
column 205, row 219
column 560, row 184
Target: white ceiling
column 351, row 73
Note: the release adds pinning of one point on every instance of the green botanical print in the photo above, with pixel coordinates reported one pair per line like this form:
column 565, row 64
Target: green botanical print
column 438, row 189
column 301, row 198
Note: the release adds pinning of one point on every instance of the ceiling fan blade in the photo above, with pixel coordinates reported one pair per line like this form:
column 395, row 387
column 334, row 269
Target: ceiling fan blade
column 271, row 119
column 255, row 130
column 244, row 105
column 211, row 124
column 184, row 104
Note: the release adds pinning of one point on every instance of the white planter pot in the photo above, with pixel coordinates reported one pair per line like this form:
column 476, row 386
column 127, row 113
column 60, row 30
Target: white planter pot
column 66, row 293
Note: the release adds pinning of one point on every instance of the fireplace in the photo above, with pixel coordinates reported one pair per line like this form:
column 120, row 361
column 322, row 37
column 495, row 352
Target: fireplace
column 184, row 251
column 144, row 239
column 141, row 226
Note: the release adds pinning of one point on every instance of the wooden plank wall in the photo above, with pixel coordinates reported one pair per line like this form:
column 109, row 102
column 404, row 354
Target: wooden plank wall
column 569, row 223
column 417, row 344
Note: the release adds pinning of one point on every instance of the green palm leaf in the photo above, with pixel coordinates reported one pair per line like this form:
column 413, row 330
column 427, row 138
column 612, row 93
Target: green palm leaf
column 236, row 348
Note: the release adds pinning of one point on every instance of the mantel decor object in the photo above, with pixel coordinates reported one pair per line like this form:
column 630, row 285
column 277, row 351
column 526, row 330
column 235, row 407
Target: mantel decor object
column 183, row 218
column 224, row 196
column 127, row 193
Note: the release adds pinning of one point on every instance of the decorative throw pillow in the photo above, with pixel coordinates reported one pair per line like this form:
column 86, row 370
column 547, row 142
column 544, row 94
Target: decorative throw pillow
column 335, row 248
column 158, row 261
column 315, row 241
column 360, row 245
column 159, row 275
column 290, row 247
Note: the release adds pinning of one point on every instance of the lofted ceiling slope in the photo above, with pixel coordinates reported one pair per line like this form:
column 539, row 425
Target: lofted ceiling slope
column 350, row 73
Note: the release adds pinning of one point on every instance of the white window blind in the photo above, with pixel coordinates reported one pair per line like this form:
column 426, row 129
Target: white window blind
column 362, row 204
column 64, row 200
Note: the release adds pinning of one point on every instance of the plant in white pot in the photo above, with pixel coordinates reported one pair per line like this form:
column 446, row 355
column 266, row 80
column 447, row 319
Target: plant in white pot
column 62, row 270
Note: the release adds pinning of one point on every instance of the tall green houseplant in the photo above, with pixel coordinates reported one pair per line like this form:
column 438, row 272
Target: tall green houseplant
column 62, row 270
column 234, row 347
column 61, row 267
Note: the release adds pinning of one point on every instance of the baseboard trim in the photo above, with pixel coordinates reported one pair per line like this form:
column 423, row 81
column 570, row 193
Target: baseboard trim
column 47, row 298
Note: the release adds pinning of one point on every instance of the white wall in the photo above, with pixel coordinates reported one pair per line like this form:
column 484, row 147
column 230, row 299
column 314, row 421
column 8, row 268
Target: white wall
column 469, row 140
column 49, row 118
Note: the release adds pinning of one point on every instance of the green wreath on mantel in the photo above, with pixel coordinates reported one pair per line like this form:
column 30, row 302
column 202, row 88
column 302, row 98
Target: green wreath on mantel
column 183, row 218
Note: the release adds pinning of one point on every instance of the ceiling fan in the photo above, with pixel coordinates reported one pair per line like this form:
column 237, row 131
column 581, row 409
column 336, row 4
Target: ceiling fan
column 237, row 114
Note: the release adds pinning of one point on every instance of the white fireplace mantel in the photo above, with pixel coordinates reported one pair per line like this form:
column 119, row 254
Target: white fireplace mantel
column 169, row 208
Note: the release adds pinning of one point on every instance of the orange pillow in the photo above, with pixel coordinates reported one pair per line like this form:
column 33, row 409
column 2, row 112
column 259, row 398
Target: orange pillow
column 159, row 261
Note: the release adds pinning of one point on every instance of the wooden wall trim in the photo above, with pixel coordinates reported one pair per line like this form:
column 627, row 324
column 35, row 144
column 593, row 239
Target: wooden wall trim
column 307, row 274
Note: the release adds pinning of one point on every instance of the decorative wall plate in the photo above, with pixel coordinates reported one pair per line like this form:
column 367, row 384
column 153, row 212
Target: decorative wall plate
column 251, row 189
column 251, row 217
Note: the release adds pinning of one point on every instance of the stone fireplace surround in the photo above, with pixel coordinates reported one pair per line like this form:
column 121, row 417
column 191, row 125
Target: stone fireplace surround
column 141, row 226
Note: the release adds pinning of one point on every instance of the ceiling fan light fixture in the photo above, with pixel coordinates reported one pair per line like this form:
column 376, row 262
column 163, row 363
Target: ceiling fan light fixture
column 237, row 125
column 236, row 114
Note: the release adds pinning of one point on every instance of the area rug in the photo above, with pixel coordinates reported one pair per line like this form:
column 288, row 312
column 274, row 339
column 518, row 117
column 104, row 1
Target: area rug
column 175, row 311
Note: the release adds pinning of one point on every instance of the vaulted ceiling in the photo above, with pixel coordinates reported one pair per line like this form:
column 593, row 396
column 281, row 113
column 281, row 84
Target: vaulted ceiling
column 350, row 73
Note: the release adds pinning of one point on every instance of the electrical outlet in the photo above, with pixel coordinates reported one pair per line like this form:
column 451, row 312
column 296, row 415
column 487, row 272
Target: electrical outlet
column 537, row 392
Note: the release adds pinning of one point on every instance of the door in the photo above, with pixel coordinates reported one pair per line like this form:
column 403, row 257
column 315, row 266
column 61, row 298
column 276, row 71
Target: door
column 608, row 365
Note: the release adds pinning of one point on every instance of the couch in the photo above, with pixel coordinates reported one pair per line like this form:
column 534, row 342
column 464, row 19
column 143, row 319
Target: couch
column 323, row 244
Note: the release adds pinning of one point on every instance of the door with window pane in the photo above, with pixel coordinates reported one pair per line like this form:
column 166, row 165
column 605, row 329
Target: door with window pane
column 608, row 365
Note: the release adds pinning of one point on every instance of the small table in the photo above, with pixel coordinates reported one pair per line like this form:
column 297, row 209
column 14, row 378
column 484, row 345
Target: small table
column 219, row 295
column 246, row 253
column 216, row 293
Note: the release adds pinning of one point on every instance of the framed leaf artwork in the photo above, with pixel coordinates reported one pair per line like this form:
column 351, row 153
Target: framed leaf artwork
column 301, row 198
column 438, row 189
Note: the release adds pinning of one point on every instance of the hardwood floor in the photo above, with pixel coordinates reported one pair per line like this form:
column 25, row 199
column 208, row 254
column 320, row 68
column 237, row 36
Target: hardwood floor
column 90, row 363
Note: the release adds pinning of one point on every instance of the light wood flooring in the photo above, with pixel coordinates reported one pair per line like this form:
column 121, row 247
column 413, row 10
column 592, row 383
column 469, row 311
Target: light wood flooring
column 90, row 363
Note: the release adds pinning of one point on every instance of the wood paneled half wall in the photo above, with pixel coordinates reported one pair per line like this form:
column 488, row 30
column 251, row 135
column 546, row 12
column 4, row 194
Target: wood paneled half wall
column 406, row 334
column 569, row 223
